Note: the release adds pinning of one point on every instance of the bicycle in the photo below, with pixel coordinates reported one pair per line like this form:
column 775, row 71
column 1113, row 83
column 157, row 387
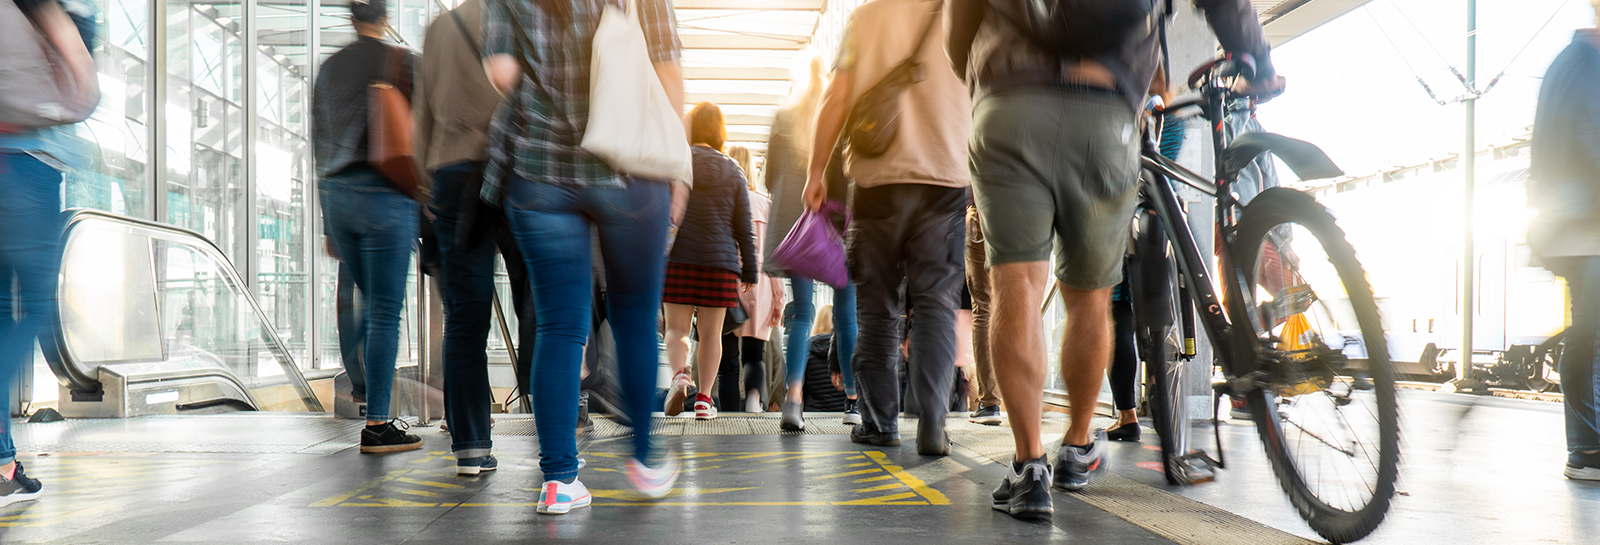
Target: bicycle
column 1282, row 346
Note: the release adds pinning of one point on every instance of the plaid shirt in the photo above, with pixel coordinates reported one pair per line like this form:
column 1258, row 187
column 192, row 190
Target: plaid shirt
column 538, row 128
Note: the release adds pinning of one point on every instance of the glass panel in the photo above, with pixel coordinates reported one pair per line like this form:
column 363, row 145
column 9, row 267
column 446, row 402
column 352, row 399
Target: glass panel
column 175, row 305
column 205, row 124
column 283, row 172
column 116, row 140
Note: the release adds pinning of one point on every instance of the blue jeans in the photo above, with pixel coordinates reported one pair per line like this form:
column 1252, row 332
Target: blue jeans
column 797, row 332
column 467, row 284
column 1580, row 358
column 551, row 223
column 373, row 228
column 30, row 255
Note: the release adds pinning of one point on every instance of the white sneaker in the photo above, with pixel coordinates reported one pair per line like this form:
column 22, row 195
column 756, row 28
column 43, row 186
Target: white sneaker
column 704, row 409
column 677, row 393
column 557, row 498
column 653, row 482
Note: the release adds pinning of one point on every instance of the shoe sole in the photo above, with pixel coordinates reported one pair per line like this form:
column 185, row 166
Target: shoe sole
column 988, row 421
column 19, row 498
column 654, row 491
column 1025, row 514
column 381, row 449
column 790, row 426
column 675, row 398
column 1583, row 473
column 474, row 470
column 864, row 441
column 852, row 420
column 699, row 416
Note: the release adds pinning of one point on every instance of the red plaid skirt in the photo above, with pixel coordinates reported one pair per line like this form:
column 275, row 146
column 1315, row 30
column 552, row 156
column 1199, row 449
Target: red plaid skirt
column 701, row 286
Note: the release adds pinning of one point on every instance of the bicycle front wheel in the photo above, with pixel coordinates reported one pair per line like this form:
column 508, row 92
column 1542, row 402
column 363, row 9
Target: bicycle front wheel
column 1325, row 403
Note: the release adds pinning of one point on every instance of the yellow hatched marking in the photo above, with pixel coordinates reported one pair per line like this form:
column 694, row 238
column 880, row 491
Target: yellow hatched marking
column 343, row 496
column 883, row 500
column 423, row 493
column 387, row 502
column 873, row 479
column 429, row 483
column 934, row 497
column 850, row 473
column 631, row 495
column 862, row 464
column 881, row 488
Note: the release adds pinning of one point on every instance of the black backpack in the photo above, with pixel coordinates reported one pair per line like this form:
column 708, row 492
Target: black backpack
column 1078, row 28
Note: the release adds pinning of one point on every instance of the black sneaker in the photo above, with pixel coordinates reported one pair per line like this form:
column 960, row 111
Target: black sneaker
column 1583, row 467
column 481, row 464
column 19, row 488
column 1127, row 432
column 859, row 434
column 931, row 438
column 852, row 415
column 1025, row 492
column 987, row 415
column 388, row 437
column 1076, row 466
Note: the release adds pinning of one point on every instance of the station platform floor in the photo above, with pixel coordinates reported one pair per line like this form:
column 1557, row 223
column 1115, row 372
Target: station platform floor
column 1476, row 470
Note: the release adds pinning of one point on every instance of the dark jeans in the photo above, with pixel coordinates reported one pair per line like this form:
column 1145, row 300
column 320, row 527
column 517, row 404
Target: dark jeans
column 797, row 329
column 1124, row 356
column 749, row 351
column 911, row 235
column 30, row 260
column 1579, row 358
column 551, row 223
column 467, row 283
column 373, row 228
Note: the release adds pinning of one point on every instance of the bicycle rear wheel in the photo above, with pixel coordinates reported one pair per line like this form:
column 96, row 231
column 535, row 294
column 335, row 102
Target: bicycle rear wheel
column 1333, row 440
column 1152, row 273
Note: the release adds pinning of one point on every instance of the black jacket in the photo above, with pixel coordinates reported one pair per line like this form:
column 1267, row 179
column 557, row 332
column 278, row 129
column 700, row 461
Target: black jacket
column 822, row 361
column 716, row 230
column 339, row 101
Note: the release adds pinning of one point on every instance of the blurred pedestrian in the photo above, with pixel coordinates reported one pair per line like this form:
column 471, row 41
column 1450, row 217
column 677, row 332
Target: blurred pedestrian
column 788, row 160
column 1564, row 185
column 371, row 225
column 744, row 349
column 906, row 211
column 555, row 193
column 31, row 167
column 713, row 261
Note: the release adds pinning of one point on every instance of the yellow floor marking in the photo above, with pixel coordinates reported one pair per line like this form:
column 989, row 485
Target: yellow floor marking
column 880, row 500
column 862, row 464
column 631, row 495
column 850, row 473
column 388, row 502
column 428, row 483
column 874, row 479
column 879, row 488
column 934, row 497
column 342, row 496
column 423, row 493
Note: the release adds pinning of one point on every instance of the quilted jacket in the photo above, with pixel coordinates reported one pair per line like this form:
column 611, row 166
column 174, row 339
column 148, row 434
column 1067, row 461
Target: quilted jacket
column 716, row 229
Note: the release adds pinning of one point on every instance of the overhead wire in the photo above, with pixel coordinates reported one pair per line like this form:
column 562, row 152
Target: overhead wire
column 1525, row 46
column 1402, row 55
column 1459, row 77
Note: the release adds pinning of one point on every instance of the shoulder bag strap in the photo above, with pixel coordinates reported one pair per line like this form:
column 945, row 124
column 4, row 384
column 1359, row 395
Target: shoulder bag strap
column 478, row 51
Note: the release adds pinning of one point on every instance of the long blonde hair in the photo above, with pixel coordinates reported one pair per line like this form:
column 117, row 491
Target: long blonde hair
column 824, row 323
column 741, row 155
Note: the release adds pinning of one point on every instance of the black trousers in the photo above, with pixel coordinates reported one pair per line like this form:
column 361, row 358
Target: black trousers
column 1124, row 356
column 908, row 235
column 748, row 353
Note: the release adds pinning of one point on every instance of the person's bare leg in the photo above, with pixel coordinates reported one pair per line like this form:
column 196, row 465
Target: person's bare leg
column 679, row 318
column 709, row 356
column 1126, row 417
column 1017, row 345
column 1085, row 353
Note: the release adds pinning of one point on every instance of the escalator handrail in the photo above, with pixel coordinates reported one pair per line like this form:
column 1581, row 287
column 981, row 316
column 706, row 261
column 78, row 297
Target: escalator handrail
column 285, row 359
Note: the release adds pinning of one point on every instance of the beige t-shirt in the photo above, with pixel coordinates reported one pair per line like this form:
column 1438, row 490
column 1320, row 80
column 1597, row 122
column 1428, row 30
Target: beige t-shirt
column 936, row 113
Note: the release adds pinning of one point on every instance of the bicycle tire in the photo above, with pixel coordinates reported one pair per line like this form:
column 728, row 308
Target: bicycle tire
column 1152, row 271
column 1279, row 206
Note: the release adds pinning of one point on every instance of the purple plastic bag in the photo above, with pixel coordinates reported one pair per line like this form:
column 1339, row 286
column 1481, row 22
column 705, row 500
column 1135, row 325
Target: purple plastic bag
column 814, row 248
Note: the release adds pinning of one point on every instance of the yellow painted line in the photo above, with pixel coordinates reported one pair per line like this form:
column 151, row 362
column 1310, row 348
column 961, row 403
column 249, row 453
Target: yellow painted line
column 873, row 479
column 880, row 500
column 862, row 464
column 674, row 493
column 881, row 488
column 428, row 483
column 342, row 496
column 850, row 473
column 934, row 497
column 423, row 493
column 389, row 502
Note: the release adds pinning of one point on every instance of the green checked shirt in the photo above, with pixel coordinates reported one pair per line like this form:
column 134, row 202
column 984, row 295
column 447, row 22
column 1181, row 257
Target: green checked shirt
column 537, row 130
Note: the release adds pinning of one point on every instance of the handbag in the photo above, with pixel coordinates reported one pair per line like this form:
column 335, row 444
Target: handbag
column 735, row 318
column 633, row 127
column 36, row 88
column 390, row 132
column 875, row 118
column 815, row 247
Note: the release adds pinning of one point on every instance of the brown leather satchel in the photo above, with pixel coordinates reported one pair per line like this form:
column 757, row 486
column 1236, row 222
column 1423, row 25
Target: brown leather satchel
column 389, row 127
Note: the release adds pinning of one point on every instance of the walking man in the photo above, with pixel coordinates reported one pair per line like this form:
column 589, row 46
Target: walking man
column 906, row 215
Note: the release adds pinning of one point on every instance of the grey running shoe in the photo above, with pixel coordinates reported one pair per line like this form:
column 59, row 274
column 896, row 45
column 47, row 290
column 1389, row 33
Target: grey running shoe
column 1583, row 467
column 1076, row 466
column 1025, row 492
column 474, row 466
column 876, row 438
column 988, row 416
column 793, row 417
column 19, row 488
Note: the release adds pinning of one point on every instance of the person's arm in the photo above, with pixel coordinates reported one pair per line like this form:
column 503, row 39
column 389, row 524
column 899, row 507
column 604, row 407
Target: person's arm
column 63, row 36
column 744, row 232
column 961, row 21
column 1239, row 30
column 502, row 68
column 830, row 122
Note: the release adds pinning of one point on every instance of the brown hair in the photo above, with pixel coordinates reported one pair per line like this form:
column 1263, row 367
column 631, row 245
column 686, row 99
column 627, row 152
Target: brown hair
column 706, row 126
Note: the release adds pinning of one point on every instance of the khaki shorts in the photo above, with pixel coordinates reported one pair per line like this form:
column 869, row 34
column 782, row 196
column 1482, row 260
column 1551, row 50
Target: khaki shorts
column 1057, row 170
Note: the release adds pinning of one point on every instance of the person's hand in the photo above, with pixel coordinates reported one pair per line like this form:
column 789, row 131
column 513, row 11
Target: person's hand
column 328, row 246
column 745, row 287
column 816, row 193
column 838, row 381
column 1261, row 91
column 680, row 202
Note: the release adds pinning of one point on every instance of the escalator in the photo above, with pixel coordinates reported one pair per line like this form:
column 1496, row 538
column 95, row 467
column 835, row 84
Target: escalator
column 155, row 320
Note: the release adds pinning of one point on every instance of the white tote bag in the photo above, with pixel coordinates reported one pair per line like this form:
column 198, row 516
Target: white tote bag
column 632, row 125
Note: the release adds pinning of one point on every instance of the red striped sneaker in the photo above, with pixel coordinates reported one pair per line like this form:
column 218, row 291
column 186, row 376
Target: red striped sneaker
column 558, row 498
column 704, row 409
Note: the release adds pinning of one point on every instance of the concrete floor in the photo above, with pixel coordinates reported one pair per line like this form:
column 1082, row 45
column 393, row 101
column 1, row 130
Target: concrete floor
column 1477, row 470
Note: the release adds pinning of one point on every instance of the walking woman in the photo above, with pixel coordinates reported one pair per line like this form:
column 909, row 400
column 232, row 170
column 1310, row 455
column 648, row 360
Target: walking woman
column 555, row 192
column 746, row 347
column 788, row 157
column 713, row 260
